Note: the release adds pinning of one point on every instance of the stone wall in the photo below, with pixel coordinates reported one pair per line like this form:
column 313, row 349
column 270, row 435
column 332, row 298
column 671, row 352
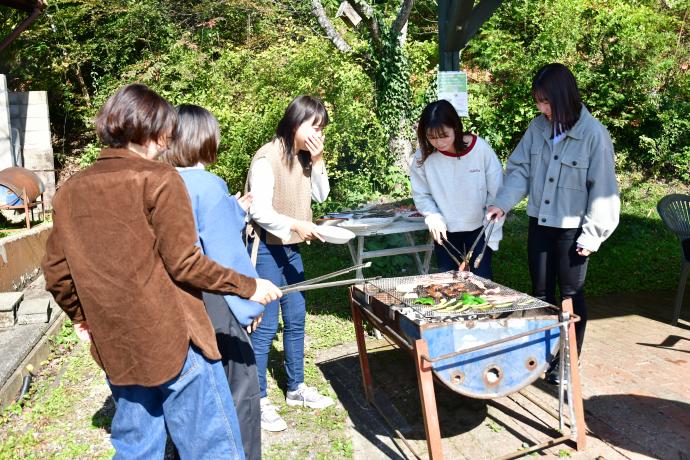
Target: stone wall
column 20, row 256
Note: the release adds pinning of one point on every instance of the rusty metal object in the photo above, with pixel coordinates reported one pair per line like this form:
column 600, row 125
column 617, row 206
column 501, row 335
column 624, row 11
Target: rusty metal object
column 22, row 182
column 22, row 187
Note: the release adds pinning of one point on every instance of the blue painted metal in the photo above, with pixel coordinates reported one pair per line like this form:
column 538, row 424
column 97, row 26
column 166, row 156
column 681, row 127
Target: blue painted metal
column 9, row 198
column 497, row 370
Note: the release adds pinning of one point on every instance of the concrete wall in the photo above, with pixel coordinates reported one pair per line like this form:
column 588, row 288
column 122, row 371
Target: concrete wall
column 26, row 113
column 5, row 127
column 29, row 116
column 20, row 256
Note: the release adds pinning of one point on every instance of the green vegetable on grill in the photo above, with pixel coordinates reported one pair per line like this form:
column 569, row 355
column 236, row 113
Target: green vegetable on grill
column 425, row 301
column 468, row 299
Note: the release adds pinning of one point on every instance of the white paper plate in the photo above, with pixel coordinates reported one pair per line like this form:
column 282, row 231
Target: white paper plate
column 334, row 235
column 367, row 223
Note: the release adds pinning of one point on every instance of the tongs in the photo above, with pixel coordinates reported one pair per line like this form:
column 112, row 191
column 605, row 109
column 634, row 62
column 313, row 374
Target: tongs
column 464, row 265
column 448, row 246
column 314, row 282
column 489, row 230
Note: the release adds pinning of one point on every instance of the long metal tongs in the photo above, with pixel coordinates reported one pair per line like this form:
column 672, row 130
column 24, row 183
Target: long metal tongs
column 294, row 287
column 308, row 287
column 489, row 231
column 468, row 255
column 447, row 245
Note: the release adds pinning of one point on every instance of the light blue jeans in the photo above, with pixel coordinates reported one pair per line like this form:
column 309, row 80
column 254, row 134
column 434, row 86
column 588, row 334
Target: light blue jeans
column 282, row 265
column 196, row 407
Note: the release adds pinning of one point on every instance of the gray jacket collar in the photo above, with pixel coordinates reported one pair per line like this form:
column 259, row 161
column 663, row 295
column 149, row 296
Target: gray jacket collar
column 576, row 132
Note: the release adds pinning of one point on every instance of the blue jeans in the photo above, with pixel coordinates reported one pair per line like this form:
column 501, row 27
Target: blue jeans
column 463, row 242
column 196, row 407
column 281, row 264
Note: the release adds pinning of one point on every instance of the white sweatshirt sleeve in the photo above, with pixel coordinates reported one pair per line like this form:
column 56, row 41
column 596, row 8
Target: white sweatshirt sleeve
column 494, row 181
column 261, row 183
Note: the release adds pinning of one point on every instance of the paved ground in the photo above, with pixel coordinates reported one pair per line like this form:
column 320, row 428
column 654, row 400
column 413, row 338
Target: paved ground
column 636, row 386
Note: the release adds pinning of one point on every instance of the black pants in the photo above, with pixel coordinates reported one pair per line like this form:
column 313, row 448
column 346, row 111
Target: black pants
column 462, row 242
column 237, row 356
column 553, row 259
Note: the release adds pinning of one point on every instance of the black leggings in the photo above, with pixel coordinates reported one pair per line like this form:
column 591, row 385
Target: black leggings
column 552, row 258
column 237, row 356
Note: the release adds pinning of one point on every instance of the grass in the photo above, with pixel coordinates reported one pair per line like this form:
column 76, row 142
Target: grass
column 63, row 416
column 54, row 420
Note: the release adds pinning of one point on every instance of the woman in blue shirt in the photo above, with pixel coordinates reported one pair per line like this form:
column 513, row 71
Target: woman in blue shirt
column 219, row 219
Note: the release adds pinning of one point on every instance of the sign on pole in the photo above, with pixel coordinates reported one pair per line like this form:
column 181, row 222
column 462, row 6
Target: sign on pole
column 452, row 86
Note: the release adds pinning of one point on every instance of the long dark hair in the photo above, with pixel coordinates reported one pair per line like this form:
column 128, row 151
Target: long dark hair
column 434, row 118
column 301, row 109
column 556, row 84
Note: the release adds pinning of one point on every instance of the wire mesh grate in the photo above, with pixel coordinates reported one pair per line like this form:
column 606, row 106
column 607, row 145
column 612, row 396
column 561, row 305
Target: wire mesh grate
column 390, row 287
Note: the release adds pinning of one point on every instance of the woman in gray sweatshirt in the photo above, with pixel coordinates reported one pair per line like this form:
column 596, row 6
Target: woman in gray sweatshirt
column 564, row 164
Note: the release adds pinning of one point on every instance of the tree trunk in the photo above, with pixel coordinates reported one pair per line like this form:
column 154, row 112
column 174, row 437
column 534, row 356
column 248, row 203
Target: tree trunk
column 328, row 27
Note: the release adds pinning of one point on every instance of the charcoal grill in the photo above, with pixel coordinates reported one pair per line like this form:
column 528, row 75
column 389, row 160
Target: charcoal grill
column 480, row 353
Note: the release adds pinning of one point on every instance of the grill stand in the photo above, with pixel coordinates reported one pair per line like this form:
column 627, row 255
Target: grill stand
column 570, row 376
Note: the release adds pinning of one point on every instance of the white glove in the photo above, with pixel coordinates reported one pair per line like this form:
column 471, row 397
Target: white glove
column 437, row 227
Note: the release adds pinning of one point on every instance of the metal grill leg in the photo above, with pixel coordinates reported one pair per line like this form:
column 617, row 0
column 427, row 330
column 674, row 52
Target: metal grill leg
column 362, row 349
column 427, row 396
column 573, row 377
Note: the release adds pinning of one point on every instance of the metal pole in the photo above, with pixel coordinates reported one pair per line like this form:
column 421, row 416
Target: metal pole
column 447, row 60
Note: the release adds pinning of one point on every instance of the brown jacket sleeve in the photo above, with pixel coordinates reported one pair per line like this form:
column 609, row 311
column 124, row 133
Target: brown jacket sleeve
column 173, row 224
column 58, row 277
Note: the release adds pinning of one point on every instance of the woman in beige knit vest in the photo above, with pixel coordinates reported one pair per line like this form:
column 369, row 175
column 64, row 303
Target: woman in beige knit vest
column 284, row 176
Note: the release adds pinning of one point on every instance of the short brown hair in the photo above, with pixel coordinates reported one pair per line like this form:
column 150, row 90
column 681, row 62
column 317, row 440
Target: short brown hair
column 135, row 114
column 196, row 138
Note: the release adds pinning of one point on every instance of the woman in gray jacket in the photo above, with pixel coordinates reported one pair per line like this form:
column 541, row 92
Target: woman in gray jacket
column 564, row 163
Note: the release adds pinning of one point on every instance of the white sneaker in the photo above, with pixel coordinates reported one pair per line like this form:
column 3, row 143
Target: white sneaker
column 270, row 419
column 307, row 396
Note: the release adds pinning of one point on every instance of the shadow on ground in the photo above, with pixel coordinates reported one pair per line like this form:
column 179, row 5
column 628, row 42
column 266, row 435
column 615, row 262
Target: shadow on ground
column 397, row 397
column 660, row 430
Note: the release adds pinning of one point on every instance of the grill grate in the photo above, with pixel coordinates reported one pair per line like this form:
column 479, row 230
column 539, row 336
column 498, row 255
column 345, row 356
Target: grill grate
column 388, row 287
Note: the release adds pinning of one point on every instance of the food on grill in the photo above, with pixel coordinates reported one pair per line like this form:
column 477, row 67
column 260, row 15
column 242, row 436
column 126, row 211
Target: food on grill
column 425, row 301
column 501, row 298
column 447, row 291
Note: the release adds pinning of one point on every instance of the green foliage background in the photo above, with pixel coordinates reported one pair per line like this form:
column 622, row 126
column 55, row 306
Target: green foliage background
column 245, row 60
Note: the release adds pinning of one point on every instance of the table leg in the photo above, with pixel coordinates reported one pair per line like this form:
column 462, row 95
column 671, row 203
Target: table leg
column 427, row 396
column 410, row 239
column 427, row 255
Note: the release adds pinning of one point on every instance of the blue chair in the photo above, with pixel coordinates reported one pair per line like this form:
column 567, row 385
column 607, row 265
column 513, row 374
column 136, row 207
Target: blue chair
column 675, row 213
